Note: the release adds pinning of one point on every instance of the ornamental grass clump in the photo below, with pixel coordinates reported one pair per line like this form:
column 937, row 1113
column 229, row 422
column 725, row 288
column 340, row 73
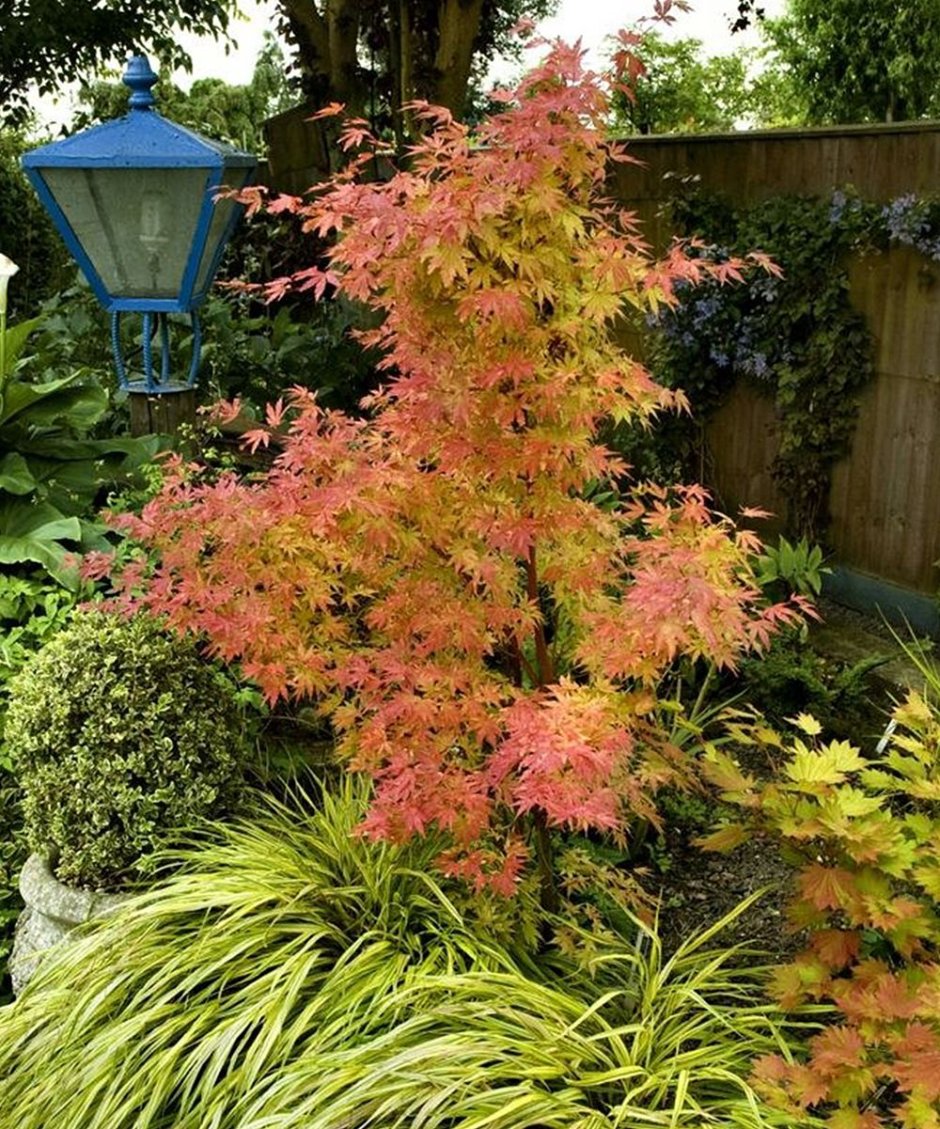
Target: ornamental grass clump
column 120, row 736
column 291, row 973
column 485, row 640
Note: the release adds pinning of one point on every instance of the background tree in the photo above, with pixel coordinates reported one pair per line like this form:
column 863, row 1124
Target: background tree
column 233, row 113
column 861, row 60
column 372, row 53
column 684, row 90
column 48, row 43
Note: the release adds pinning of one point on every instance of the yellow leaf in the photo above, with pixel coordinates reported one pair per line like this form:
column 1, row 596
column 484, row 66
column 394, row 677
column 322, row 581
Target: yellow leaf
column 829, row 765
column 807, row 724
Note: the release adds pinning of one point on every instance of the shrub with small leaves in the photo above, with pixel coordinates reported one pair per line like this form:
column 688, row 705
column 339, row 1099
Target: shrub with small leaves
column 120, row 735
column 865, row 834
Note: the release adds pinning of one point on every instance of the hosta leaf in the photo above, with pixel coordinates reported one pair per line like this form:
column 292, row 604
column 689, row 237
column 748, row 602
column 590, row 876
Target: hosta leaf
column 63, row 402
column 15, row 476
column 32, row 532
column 15, row 340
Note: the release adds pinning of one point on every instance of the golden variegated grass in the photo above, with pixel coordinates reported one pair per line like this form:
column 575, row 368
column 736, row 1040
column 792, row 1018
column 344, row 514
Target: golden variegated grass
column 295, row 976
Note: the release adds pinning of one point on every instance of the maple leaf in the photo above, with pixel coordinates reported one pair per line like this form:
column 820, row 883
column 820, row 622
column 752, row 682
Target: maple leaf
column 836, row 948
column 855, row 1119
column 829, row 765
column 828, row 887
column 836, row 1050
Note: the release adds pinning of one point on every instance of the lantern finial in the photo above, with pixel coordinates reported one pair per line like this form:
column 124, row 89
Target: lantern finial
column 139, row 77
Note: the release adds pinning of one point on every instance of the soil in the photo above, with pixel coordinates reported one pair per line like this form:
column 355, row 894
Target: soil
column 700, row 888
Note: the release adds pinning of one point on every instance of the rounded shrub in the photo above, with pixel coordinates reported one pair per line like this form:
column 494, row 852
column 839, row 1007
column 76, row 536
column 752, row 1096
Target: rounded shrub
column 120, row 735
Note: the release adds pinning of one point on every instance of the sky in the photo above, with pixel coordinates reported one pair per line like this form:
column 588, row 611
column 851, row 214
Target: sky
column 590, row 20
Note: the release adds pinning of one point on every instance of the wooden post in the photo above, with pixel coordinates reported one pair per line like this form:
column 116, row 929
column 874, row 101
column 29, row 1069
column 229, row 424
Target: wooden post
column 164, row 414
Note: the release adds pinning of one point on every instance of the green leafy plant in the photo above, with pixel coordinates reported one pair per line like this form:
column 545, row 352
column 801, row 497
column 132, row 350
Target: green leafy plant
column 865, row 835
column 258, row 356
column 32, row 609
column 13, row 854
column 51, row 470
column 790, row 678
column 292, row 972
column 28, row 236
column 120, row 737
column 794, row 568
column 795, row 336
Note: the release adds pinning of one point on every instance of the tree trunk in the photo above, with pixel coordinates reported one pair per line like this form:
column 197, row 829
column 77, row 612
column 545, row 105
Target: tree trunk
column 327, row 40
column 343, row 19
column 458, row 25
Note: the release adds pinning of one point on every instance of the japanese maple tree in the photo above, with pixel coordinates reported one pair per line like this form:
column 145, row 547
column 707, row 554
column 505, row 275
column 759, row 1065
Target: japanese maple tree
column 485, row 638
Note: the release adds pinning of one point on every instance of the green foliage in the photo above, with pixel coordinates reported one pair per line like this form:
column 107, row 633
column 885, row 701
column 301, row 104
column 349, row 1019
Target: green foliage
column 858, row 62
column 120, row 736
column 865, row 834
column 28, row 237
column 51, row 471
column 791, row 678
column 32, row 609
column 796, row 337
column 249, row 351
column 12, row 856
column 294, row 973
column 47, row 44
column 786, row 569
column 684, row 91
column 258, row 356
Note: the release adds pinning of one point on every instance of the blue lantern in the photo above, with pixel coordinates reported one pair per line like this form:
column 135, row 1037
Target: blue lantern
column 135, row 202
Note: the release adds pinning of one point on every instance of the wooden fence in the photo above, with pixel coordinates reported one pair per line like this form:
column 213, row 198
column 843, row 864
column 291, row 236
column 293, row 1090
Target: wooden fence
column 885, row 500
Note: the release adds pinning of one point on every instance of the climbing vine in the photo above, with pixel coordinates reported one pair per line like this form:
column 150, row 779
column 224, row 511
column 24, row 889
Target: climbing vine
column 795, row 336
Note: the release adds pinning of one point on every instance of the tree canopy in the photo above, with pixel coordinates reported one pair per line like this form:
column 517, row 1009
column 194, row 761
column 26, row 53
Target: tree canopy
column 47, row 43
column 862, row 60
column 683, row 90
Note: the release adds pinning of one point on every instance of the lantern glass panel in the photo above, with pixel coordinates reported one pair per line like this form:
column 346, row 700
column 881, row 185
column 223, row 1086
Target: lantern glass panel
column 221, row 219
column 136, row 225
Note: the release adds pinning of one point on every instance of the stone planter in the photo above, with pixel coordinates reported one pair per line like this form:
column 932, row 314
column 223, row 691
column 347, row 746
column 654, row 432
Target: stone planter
column 52, row 912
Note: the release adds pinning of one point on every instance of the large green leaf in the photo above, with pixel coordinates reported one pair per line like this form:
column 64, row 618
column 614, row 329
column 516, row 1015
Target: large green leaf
column 15, row 475
column 15, row 340
column 70, row 473
column 64, row 402
column 33, row 532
